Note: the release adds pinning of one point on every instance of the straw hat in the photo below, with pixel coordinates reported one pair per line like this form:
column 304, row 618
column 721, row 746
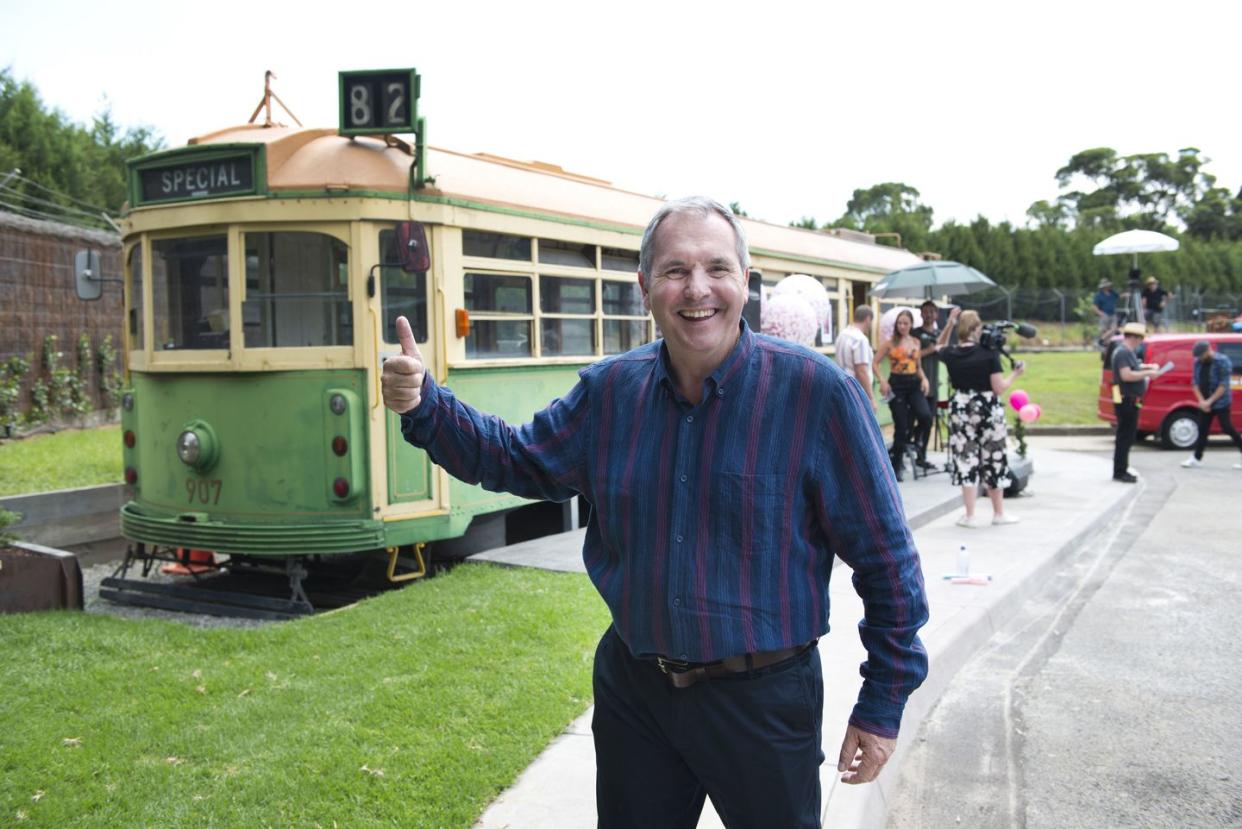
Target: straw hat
column 1134, row 329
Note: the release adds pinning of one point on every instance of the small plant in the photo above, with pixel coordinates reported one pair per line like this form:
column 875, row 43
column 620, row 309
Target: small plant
column 8, row 519
column 39, row 408
column 1019, row 434
column 109, row 378
column 79, row 387
column 11, row 374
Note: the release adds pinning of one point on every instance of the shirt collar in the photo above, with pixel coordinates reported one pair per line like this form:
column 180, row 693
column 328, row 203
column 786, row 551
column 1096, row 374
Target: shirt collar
column 736, row 360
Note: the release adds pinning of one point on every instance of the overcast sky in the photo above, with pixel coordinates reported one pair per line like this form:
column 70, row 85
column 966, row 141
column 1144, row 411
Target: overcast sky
column 784, row 107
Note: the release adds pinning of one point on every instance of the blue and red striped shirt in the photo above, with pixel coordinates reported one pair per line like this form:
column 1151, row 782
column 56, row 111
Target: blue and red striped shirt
column 713, row 527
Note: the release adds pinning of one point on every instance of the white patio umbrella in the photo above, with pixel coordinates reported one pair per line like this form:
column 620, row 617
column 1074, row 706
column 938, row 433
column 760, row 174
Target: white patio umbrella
column 1136, row 242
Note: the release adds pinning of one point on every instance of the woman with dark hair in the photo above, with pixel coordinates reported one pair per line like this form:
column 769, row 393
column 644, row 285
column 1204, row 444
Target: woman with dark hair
column 977, row 434
column 908, row 386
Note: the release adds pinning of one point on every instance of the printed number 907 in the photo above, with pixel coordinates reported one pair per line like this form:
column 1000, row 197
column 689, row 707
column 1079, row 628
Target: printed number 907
column 204, row 492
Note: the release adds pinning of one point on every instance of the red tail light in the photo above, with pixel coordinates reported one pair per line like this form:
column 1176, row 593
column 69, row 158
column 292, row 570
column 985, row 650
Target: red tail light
column 131, row 475
column 340, row 446
column 341, row 487
column 129, row 439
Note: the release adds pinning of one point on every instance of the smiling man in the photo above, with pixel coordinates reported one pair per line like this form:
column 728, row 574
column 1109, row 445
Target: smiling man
column 725, row 470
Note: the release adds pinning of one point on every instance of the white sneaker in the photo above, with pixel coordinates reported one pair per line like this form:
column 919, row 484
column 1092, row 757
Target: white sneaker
column 1194, row 463
column 1132, row 471
column 974, row 522
column 1005, row 518
column 1238, row 465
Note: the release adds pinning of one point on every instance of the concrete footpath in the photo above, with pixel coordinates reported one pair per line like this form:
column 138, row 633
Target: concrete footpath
column 1069, row 497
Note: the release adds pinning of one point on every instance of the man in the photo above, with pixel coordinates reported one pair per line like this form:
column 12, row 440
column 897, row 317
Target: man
column 1105, row 304
column 1154, row 299
column 1129, row 385
column 928, row 334
column 725, row 470
column 1211, row 381
column 854, row 353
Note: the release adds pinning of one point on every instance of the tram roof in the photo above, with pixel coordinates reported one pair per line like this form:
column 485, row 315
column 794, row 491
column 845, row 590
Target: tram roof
column 305, row 160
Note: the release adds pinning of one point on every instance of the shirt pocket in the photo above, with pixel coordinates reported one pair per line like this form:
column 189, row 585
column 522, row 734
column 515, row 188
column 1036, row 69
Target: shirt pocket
column 749, row 512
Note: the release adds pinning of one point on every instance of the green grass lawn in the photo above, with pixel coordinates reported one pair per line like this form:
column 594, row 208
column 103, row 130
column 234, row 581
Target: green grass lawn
column 1064, row 384
column 69, row 458
column 415, row 708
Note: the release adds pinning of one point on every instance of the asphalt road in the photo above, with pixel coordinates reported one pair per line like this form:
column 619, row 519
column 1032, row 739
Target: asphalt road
column 1113, row 699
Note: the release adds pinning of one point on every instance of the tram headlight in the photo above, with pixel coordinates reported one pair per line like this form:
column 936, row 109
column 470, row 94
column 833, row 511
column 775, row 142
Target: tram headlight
column 197, row 445
column 189, row 447
column 127, row 401
column 337, row 404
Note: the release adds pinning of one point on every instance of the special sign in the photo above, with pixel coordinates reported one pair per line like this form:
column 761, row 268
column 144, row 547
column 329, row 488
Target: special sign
column 231, row 175
column 375, row 102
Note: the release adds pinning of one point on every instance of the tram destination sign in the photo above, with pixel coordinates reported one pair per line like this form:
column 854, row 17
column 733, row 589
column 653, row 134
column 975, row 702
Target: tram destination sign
column 189, row 180
column 378, row 102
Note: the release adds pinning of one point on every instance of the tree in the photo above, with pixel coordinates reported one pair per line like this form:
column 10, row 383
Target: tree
column 806, row 223
column 890, row 207
column 1145, row 190
column 64, row 166
column 736, row 209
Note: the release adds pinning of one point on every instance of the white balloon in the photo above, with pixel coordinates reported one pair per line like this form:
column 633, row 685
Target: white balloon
column 789, row 317
column 889, row 318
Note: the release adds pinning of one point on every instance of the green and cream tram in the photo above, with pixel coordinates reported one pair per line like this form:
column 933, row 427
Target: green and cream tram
column 264, row 269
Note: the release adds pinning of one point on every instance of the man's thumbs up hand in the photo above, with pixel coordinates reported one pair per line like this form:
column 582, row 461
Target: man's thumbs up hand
column 402, row 380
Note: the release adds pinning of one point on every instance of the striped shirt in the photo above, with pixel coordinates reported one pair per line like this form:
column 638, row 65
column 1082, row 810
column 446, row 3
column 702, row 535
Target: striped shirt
column 713, row 527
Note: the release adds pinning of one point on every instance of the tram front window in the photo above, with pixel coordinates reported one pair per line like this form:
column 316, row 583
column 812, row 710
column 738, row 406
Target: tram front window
column 190, row 292
column 296, row 291
column 401, row 293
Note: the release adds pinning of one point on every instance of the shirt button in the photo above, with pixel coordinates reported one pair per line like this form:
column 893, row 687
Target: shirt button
column 683, row 479
column 679, row 539
column 685, row 657
column 677, row 602
column 689, row 418
column 720, row 392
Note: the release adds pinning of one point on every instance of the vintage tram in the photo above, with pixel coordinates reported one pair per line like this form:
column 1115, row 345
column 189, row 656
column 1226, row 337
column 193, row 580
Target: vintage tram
column 264, row 268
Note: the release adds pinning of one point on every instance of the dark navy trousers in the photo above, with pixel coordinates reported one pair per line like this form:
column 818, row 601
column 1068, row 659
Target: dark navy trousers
column 752, row 742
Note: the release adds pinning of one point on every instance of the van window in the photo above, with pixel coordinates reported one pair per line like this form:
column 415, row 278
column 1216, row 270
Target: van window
column 1234, row 352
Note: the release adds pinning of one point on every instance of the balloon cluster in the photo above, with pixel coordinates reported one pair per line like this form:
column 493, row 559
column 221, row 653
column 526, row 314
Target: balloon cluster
column 1028, row 412
column 796, row 310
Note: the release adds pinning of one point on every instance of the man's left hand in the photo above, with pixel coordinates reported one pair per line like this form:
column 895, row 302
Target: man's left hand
column 863, row 755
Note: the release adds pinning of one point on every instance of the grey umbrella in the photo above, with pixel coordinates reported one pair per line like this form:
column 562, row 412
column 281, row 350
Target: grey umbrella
column 929, row 279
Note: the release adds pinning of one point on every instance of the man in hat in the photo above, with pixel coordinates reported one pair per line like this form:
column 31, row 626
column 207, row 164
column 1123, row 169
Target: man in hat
column 1129, row 385
column 929, row 334
column 1212, row 388
column 1154, row 299
column 1105, row 302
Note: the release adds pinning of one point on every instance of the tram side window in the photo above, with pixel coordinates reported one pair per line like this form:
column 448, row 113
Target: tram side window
column 190, row 292
column 625, row 318
column 615, row 259
column 500, row 315
column 297, row 291
column 495, row 245
column 564, row 335
column 401, row 294
column 134, row 276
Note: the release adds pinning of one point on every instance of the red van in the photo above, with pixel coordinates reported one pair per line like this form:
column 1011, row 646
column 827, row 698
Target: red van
column 1169, row 409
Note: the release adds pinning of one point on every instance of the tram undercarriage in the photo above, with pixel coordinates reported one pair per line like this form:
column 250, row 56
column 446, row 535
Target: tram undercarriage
column 258, row 587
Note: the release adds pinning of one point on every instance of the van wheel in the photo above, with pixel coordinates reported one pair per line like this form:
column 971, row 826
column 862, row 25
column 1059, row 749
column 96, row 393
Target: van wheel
column 1180, row 430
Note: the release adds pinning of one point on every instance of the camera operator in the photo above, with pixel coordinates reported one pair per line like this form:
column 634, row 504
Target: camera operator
column 977, row 432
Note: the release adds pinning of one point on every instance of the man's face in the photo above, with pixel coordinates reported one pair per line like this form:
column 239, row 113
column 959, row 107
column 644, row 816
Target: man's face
column 929, row 314
column 1206, row 357
column 696, row 288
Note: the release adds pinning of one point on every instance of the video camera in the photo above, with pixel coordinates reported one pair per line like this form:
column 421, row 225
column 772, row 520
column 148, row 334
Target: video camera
column 993, row 335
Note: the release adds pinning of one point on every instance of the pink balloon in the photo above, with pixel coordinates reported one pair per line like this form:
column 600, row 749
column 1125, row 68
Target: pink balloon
column 1029, row 413
column 1018, row 399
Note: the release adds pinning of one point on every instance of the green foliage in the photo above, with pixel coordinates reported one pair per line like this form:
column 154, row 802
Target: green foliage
column 66, row 390
column 891, row 207
column 11, row 374
column 806, row 223
column 1066, row 385
column 413, row 709
column 65, row 460
column 82, row 164
column 736, row 209
column 8, row 519
column 108, row 375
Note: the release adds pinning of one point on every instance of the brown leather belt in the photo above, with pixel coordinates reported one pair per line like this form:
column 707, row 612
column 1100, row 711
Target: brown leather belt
column 685, row 674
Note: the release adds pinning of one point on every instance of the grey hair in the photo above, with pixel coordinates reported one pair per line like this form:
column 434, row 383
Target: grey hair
column 863, row 313
column 702, row 206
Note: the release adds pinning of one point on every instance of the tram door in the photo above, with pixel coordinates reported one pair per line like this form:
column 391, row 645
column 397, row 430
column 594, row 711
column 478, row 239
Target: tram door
column 401, row 287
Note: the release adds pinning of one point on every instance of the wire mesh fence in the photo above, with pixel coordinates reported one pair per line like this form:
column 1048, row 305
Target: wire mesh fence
column 1067, row 316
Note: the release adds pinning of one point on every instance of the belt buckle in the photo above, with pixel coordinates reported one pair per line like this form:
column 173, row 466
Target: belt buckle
column 671, row 666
